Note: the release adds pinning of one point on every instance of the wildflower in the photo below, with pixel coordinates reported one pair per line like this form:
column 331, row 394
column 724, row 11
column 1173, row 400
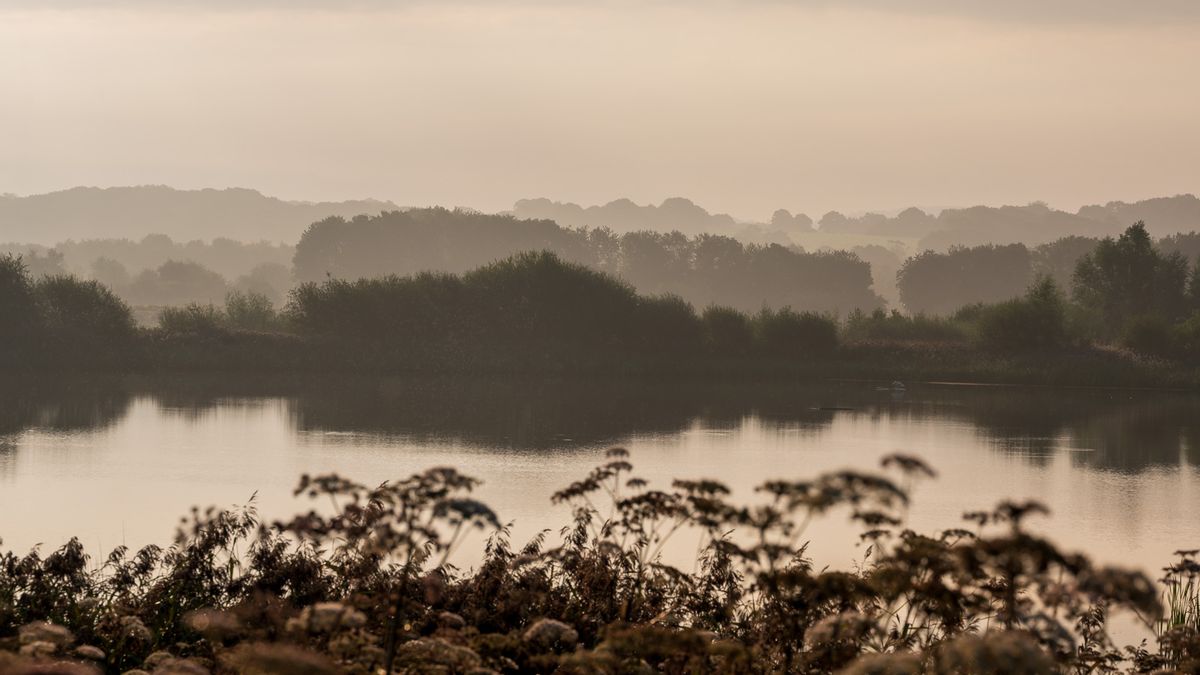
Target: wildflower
column 39, row 649
column 174, row 666
column 89, row 652
column 276, row 659
column 884, row 664
column 994, row 653
column 213, row 624
column 132, row 628
column 426, row 652
column 41, row 631
column 551, row 634
column 451, row 620
column 326, row 617
column 157, row 659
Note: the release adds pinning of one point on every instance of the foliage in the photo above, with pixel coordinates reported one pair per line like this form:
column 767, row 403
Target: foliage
column 250, row 311
column 1037, row 321
column 894, row 326
column 57, row 322
column 176, row 283
column 1058, row 259
column 726, row 332
column 703, row 269
column 18, row 307
column 939, row 283
column 84, row 322
column 1127, row 277
column 784, row 333
column 537, row 309
column 363, row 583
column 191, row 319
column 1149, row 334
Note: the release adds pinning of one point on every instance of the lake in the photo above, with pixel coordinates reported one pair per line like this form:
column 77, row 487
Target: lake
column 118, row 461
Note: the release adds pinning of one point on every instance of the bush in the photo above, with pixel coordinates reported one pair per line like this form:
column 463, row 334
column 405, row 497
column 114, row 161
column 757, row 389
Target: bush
column 18, row 311
column 250, row 311
column 83, row 321
column 1035, row 322
column 880, row 325
column 538, row 297
column 1187, row 338
column 726, row 332
column 667, row 326
column 788, row 334
column 192, row 319
column 1150, row 334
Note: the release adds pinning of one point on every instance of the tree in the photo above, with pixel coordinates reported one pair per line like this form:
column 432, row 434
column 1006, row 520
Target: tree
column 833, row 221
column 940, row 283
column 271, row 280
column 177, row 283
column 1126, row 277
column 18, row 311
column 111, row 273
column 83, row 322
column 702, row 270
column 1193, row 290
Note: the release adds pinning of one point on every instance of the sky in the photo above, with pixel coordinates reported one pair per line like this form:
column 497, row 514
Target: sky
column 744, row 107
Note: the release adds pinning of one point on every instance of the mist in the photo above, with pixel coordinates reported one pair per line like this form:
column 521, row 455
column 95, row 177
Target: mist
column 747, row 107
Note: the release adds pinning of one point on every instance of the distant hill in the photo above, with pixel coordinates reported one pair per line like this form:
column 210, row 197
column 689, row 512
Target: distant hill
column 183, row 215
column 247, row 215
column 1033, row 224
column 623, row 215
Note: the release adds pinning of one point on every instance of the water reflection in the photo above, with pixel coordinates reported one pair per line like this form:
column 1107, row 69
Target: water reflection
column 1123, row 431
column 115, row 460
column 61, row 405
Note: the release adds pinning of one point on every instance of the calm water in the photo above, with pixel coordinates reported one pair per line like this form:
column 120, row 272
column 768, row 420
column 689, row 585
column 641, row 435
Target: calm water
column 117, row 462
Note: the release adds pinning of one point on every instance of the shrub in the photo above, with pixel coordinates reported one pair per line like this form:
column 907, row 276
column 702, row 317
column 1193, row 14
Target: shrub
column 18, row 311
column 84, row 321
column 1149, row 334
column 1187, row 338
column 788, row 334
column 250, row 311
column 191, row 319
column 667, row 326
column 1034, row 322
column 880, row 325
column 726, row 332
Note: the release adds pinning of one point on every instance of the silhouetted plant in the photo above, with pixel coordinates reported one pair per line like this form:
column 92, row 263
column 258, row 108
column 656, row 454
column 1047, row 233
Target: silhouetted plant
column 363, row 582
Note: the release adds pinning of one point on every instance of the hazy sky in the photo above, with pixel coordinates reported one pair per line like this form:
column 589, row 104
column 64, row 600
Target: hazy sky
column 742, row 106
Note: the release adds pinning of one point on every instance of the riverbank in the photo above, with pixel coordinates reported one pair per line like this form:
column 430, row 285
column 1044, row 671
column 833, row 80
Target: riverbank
column 240, row 352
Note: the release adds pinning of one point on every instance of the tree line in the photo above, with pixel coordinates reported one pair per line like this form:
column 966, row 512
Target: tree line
column 532, row 310
column 535, row 310
column 703, row 269
column 1128, row 289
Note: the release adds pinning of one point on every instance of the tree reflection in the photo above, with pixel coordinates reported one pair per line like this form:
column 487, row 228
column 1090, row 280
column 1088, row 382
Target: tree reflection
column 1125, row 431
